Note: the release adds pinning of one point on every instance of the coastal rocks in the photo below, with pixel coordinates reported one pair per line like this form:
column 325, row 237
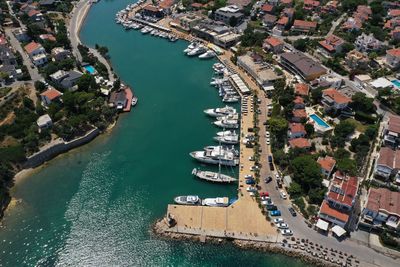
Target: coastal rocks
column 161, row 229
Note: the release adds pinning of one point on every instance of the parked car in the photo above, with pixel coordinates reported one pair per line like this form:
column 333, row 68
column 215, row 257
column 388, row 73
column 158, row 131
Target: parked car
column 286, row 232
column 282, row 194
column 270, row 159
column 268, row 179
column 278, row 220
column 264, row 194
column 271, row 167
column 282, row 225
column 251, row 189
column 248, row 176
column 272, row 207
column 275, row 213
column 266, row 134
column 292, row 211
column 250, row 181
column 251, row 158
column 268, row 141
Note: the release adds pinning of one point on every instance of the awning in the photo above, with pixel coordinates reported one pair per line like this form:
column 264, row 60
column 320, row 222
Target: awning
column 339, row 231
column 323, row 225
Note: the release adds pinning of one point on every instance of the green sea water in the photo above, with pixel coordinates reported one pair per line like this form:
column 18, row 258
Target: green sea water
column 95, row 205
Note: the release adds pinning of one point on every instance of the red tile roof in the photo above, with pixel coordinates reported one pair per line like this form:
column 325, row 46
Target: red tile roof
column 297, row 128
column 51, row 94
column 151, row 8
column 33, row 12
column 272, row 41
column 165, row 4
column 300, row 113
column 48, row 36
column 311, row 3
column 343, row 189
column 389, row 157
column 32, row 46
column 326, row 209
column 298, row 100
column 267, row 8
column 394, row 12
column 304, row 24
column 382, row 199
column 331, row 43
column 286, row 2
column 197, row 5
column 394, row 124
column 338, row 97
column 394, row 52
column 299, row 143
column 301, row 89
column 364, row 9
column 327, row 163
column 283, row 21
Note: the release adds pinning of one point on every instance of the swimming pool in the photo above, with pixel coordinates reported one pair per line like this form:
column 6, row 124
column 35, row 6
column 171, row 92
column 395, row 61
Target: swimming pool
column 319, row 121
column 396, row 83
column 90, row 69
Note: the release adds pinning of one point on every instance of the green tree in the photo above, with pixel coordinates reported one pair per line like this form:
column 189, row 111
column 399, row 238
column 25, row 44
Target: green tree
column 301, row 44
column 360, row 102
column 309, row 129
column 306, row 172
column 295, row 190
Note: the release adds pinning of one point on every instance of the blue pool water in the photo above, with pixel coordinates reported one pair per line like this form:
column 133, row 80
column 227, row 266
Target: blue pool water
column 319, row 121
column 396, row 83
column 90, row 69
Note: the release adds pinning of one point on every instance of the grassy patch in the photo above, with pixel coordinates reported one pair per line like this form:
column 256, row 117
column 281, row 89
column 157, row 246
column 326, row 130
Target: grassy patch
column 359, row 126
column 4, row 91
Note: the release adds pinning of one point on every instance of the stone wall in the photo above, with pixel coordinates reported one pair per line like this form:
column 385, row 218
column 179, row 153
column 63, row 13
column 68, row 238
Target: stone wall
column 48, row 152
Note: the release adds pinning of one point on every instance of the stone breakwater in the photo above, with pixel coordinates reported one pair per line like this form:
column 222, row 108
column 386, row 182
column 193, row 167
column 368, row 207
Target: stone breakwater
column 160, row 229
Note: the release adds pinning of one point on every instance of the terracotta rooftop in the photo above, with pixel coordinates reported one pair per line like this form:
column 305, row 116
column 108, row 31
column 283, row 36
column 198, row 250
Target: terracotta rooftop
column 272, row 41
column 32, row 46
column 311, row 3
column 197, row 5
column 286, row 2
column 301, row 89
column 48, row 36
column 394, row 12
column 267, row 8
column 283, row 21
column 394, row 52
column 304, row 24
column 343, row 189
column 269, row 18
column 151, row 8
column 51, row 94
column 299, row 143
column 389, row 157
column 331, row 43
column 300, row 113
column 364, row 9
column 326, row 209
column 298, row 100
column 166, row 4
column 33, row 12
column 382, row 199
column 297, row 128
column 327, row 163
column 241, row 3
column 394, row 124
column 336, row 96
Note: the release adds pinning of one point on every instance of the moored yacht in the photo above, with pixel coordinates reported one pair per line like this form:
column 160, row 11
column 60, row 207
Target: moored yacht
column 228, row 140
column 187, row 200
column 216, row 112
column 227, row 133
column 208, row 54
column 234, row 116
column 197, row 51
column 216, row 202
column 230, row 99
column 213, row 156
column 228, row 124
column 213, row 176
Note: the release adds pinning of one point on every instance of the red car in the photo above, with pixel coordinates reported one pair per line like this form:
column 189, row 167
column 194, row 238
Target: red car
column 264, row 194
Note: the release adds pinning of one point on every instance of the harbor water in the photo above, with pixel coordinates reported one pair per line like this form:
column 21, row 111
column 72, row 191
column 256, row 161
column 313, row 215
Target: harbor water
column 95, row 205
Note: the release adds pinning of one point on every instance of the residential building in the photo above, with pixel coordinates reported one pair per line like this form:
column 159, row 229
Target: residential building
column 44, row 122
column 327, row 81
column 388, row 163
column 66, row 79
column 280, row 26
column 230, row 15
column 298, row 103
column 37, row 53
column 35, row 15
column 381, row 83
column 188, row 21
column 301, row 89
column 152, row 11
column 367, row 43
column 59, row 53
column 299, row 115
column 332, row 99
column 300, row 143
column 393, row 58
column 382, row 208
column 7, row 56
column 296, row 130
column 273, row 44
column 49, row 96
column 330, row 7
column 239, row 3
column 332, row 44
column 352, row 24
column 21, row 35
column 340, row 200
column 286, row 2
column 118, row 99
column 300, row 64
column 288, row 12
column 357, row 60
column 48, row 37
column 263, row 75
column 266, row 8
column 227, row 39
column 166, row 6
column 311, row 5
column 269, row 20
column 362, row 79
column 304, row 26
column 327, row 165
column 391, row 132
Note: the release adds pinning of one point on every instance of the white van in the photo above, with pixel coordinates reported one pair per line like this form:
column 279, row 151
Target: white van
column 282, row 194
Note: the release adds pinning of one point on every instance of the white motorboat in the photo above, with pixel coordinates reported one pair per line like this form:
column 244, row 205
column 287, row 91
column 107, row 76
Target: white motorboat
column 230, row 99
column 216, row 156
column 172, row 38
column 234, row 116
column 187, row 200
column 228, row 124
column 227, row 133
column 228, row 140
column 216, row 112
column 197, row 51
column 134, row 101
column 208, row 54
column 218, row 81
column 190, row 47
column 213, row 176
column 146, row 30
column 216, row 202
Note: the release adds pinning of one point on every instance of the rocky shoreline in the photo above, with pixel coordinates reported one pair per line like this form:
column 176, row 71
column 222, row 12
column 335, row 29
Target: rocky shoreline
column 159, row 229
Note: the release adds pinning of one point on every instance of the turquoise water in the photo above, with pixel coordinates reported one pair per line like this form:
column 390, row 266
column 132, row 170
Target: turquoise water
column 396, row 83
column 90, row 69
column 319, row 121
column 95, row 206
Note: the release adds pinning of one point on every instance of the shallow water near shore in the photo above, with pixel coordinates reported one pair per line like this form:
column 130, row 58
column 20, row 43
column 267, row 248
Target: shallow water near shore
column 95, row 205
